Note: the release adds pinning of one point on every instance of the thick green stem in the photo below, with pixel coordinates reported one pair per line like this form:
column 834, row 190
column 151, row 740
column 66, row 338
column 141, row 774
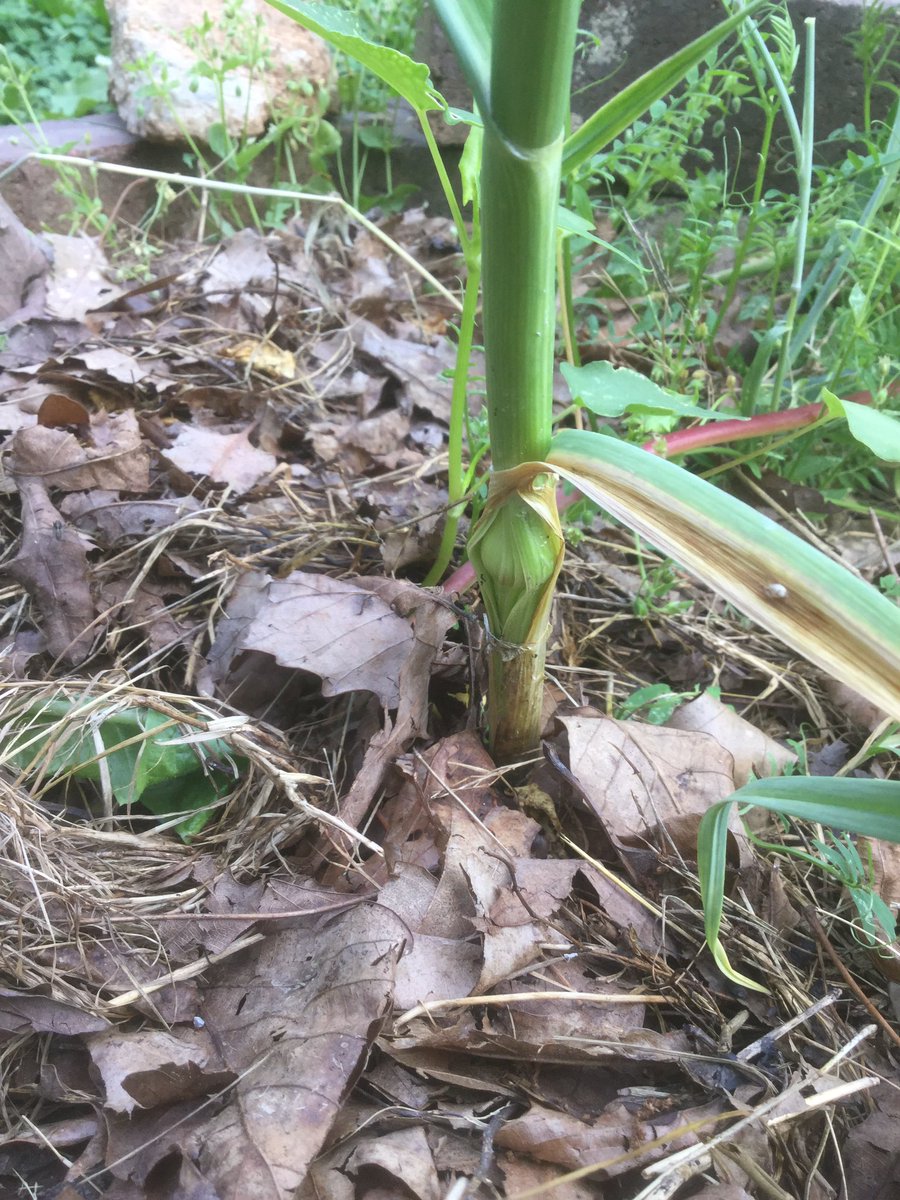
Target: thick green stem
column 516, row 545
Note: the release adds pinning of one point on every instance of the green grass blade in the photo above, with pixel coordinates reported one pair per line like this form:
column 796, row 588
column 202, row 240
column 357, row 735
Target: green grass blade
column 867, row 807
column 345, row 32
column 815, row 605
column 624, row 109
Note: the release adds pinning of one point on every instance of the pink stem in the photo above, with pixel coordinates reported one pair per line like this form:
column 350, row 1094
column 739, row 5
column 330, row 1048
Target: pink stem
column 683, row 441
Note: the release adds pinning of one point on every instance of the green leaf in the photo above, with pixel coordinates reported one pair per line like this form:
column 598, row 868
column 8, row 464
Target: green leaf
column 132, row 747
column 812, row 603
column 574, row 224
column 467, row 24
column 878, row 431
column 194, row 795
column 611, row 391
column 632, row 101
column 345, row 32
column 869, row 807
column 470, row 164
column 218, row 139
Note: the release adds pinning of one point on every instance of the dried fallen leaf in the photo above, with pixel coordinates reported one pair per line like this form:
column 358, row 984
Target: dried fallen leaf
column 154, row 1067
column 27, row 1012
column 262, row 356
column 23, row 265
column 421, row 369
column 400, row 1161
column 348, row 636
column 114, row 456
column 647, row 780
column 611, row 1142
column 223, row 457
column 79, row 281
column 294, row 1017
column 754, row 753
column 52, row 566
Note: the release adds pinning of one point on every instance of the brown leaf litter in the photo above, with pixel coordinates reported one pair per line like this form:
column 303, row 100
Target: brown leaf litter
column 385, row 967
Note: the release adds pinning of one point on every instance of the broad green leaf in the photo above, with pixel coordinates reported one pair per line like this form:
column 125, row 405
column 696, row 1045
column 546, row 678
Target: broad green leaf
column 345, row 32
column 135, row 748
column 878, row 431
column 870, row 807
column 632, row 101
column 611, row 391
column 192, row 795
column 812, row 603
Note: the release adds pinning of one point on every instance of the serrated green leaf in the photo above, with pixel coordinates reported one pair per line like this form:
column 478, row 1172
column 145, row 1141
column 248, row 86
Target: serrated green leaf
column 344, row 31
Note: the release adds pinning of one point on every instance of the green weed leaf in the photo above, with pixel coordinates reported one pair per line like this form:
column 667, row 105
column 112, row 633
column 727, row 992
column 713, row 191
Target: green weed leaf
column 632, row 101
column 878, row 431
column 611, row 391
column 131, row 748
column 345, row 32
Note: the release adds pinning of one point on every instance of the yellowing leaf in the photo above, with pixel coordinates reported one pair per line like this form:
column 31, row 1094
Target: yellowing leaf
column 816, row 606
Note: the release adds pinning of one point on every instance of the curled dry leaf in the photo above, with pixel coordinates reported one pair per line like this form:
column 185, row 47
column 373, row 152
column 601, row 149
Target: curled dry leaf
column 27, row 1012
column 112, row 457
column 79, row 280
column 295, row 1018
column 646, row 782
column 402, row 1157
column 263, row 356
column 611, row 1142
column 154, row 1067
column 419, row 368
column 23, row 266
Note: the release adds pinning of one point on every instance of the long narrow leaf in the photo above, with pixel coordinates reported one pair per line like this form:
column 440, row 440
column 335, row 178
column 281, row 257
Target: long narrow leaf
column 345, row 32
column 467, row 24
column 869, row 807
column 624, row 108
column 815, row 605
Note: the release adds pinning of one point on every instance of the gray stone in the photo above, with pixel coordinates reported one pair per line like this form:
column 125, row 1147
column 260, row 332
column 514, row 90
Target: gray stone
column 162, row 97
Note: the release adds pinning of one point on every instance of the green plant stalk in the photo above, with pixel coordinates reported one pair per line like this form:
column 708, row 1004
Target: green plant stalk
column 516, row 545
column 736, row 272
column 890, row 167
column 456, row 477
column 804, row 181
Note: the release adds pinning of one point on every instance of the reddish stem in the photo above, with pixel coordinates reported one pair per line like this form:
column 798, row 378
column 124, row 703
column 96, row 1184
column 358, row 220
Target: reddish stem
column 683, row 441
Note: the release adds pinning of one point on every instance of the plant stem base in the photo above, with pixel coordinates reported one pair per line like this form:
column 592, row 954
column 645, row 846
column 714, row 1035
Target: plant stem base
column 515, row 699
